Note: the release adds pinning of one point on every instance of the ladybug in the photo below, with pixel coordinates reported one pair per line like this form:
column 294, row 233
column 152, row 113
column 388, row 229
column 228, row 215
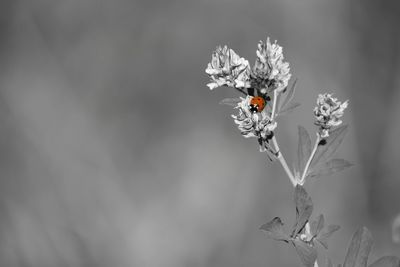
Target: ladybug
column 257, row 103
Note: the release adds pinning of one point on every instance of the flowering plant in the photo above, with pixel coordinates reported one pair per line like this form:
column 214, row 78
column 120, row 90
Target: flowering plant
column 267, row 96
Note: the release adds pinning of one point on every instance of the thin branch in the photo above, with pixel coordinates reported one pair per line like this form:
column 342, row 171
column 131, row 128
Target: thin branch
column 303, row 176
column 276, row 146
column 283, row 162
column 274, row 105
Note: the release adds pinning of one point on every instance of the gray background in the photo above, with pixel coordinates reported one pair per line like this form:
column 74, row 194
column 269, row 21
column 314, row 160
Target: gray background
column 113, row 152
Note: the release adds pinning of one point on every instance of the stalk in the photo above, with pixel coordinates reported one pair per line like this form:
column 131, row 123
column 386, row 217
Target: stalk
column 303, row 176
column 280, row 156
column 283, row 162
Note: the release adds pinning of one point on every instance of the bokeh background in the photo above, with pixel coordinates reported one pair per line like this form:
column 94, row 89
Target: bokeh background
column 113, row 152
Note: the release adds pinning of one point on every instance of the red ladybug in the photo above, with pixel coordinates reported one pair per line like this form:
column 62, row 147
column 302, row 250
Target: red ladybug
column 257, row 104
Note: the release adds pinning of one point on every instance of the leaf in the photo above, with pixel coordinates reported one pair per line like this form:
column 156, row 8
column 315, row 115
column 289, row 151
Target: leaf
column 359, row 249
column 274, row 230
column 289, row 108
column 387, row 261
column 304, row 208
column 332, row 143
column 317, row 225
column 323, row 236
column 307, row 253
column 290, row 93
column 330, row 167
column 230, row 101
column 304, row 148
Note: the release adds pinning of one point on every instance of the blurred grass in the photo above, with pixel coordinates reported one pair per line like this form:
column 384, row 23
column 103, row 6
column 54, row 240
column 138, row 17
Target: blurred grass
column 115, row 153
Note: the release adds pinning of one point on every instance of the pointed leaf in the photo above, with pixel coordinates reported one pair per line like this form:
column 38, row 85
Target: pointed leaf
column 317, row 225
column 359, row 249
column 307, row 253
column 387, row 261
column 289, row 108
column 332, row 143
column 304, row 208
column 289, row 95
column 230, row 101
column 323, row 236
column 330, row 167
column 274, row 230
column 304, row 147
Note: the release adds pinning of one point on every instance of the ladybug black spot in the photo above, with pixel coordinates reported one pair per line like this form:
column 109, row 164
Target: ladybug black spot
column 253, row 108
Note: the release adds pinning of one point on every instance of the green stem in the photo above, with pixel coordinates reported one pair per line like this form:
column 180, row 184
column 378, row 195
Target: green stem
column 274, row 105
column 276, row 146
column 303, row 176
column 283, row 162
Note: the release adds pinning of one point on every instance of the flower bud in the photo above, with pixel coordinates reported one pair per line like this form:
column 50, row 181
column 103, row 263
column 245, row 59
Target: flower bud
column 328, row 112
column 270, row 72
column 227, row 68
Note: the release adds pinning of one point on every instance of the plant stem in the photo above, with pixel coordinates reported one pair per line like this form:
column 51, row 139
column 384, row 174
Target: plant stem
column 274, row 105
column 307, row 229
column 276, row 146
column 283, row 162
column 303, row 176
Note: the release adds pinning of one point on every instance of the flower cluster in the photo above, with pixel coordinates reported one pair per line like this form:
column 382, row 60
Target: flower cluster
column 269, row 73
column 254, row 124
column 227, row 68
column 328, row 112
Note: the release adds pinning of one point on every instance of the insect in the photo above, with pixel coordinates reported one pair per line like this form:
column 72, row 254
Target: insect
column 257, row 103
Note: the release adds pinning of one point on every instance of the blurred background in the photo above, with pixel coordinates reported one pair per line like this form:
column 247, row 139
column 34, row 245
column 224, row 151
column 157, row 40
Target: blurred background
column 113, row 152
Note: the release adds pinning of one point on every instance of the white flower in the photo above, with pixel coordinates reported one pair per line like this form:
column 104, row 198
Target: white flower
column 270, row 71
column 227, row 68
column 254, row 124
column 327, row 113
